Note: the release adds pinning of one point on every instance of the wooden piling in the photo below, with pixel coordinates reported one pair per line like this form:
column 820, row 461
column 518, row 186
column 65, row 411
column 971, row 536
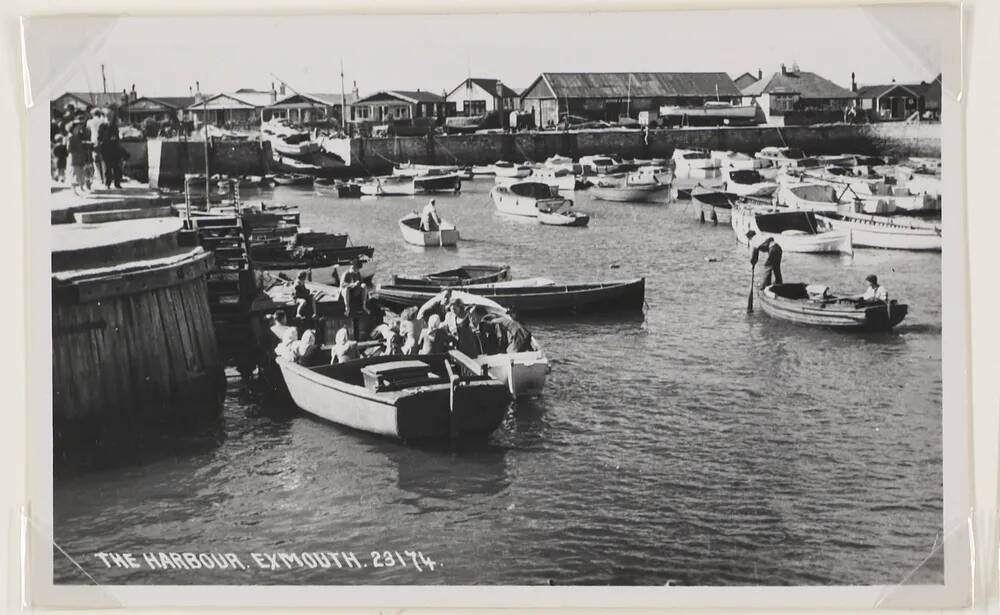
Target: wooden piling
column 133, row 345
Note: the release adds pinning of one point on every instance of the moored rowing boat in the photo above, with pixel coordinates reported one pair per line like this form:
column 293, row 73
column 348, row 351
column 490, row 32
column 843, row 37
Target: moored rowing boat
column 424, row 396
column 446, row 235
column 882, row 232
column 564, row 299
column 799, row 303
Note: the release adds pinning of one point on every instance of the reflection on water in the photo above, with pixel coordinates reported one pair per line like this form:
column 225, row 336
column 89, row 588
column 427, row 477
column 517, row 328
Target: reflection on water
column 693, row 443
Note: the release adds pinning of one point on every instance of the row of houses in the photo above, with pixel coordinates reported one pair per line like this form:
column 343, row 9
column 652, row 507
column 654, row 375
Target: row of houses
column 785, row 96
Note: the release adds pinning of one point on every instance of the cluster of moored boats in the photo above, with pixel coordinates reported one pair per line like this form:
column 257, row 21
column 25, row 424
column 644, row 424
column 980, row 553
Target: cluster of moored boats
column 822, row 204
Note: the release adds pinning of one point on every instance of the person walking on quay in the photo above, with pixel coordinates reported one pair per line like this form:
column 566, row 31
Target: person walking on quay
column 95, row 126
column 78, row 157
column 60, row 152
column 111, row 152
column 772, row 266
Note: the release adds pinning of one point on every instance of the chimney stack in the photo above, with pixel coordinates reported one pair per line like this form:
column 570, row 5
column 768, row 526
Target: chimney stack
column 281, row 90
column 783, row 71
column 191, row 91
column 760, row 74
column 854, row 84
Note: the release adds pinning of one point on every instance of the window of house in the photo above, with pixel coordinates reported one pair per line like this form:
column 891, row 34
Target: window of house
column 782, row 102
column 475, row 107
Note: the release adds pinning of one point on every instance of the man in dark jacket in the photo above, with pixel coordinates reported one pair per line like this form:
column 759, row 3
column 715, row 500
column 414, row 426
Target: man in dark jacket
column 772, row 266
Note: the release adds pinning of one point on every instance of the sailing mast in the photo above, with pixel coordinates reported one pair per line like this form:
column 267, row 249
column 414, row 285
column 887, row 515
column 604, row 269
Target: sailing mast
column 628, row 100
column 343, row 102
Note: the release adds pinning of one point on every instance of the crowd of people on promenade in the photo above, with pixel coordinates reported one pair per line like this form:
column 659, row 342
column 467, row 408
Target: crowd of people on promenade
column 86, row 148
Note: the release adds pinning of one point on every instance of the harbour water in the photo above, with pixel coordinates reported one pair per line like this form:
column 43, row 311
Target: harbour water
column 692, row 445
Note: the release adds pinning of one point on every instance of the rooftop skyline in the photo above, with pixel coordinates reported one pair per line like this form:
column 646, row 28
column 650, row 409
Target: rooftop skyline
column 167, row 56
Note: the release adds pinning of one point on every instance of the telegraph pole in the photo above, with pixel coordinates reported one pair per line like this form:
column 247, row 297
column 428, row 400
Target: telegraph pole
column 104, row 80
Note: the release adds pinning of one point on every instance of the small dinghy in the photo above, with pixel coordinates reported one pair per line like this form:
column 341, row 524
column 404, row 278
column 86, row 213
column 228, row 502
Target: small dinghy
column 563, row 217
column 292, row 179
column 436, row 181
column 712, row 205
column 409, row 225
column 622, row 190
column 460, row 276
column 410, row 398
column 337, row 188
column 814, row 305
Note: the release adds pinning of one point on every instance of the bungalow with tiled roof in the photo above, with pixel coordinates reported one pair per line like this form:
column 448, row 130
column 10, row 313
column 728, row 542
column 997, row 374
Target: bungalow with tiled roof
column 311, row 107
column 397, row 105
column 792, row 92
column 88, row 100
column 478, row 96
column 244, row 107
column 900, row 101
column 611, row 96
column 159, row 108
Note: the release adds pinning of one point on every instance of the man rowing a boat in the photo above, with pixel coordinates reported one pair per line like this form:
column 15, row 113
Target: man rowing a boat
column 874, row 294
column 772, row 266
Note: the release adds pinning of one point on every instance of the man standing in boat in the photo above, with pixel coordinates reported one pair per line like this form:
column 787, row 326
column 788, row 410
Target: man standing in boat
column 772, row 266
column 429, row 218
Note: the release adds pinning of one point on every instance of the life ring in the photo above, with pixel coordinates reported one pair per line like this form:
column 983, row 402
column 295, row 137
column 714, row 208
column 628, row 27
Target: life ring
column 570, row 201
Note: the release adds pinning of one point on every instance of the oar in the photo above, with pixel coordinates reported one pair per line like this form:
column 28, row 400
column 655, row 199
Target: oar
column 753, row 269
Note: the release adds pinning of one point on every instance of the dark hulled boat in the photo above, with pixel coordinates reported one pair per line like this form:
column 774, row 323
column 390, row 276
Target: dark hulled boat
column 622, row 295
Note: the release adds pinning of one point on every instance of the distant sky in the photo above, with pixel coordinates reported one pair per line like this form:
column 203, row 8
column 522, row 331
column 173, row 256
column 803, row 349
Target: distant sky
column 164, row 56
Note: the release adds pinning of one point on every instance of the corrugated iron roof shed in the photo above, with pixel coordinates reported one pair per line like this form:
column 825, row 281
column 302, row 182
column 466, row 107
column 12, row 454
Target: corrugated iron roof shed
column 805, row 84
column 640, row 85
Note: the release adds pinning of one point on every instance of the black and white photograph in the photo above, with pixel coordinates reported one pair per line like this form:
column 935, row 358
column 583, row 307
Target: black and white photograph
column 554, row 302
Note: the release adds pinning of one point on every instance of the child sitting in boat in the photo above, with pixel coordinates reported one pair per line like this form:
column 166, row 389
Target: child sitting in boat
column 344, row 349
column 411, row 327
column 435, row 338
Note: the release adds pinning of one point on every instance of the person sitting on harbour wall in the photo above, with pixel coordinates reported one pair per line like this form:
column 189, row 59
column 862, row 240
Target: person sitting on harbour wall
column 874, row 294
column 429, row 218
column 772, row 266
